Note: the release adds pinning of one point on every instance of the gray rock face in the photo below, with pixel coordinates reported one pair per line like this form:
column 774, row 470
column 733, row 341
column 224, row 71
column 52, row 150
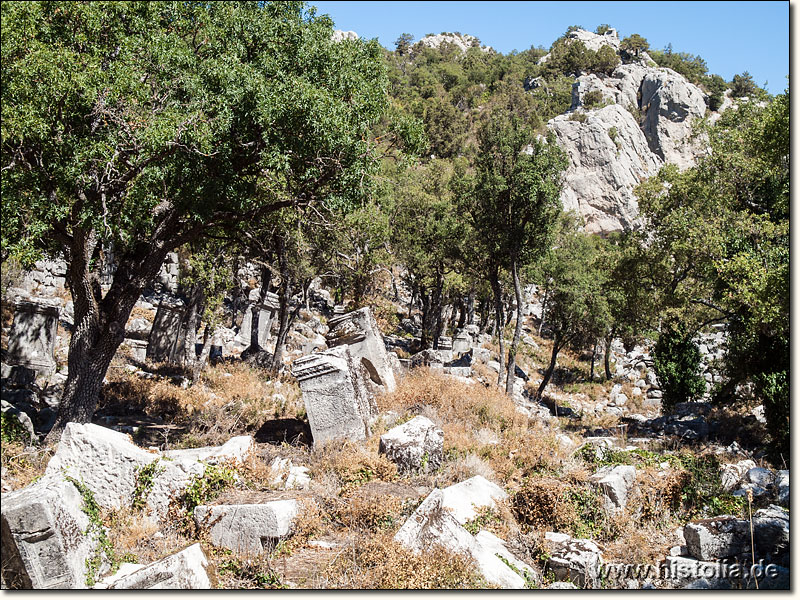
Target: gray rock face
column 462, row 41
column 731, row 474
column 671, row 105
column 185, row 570
column 603, row 172
column 168, row 335
column 771, row 531
column 334, row 394
column 462, row 498
column 574, row 560
column 359, row 332
column 782, row 488
column 417, row 444
column 592, row 41
column 43, row 539
column 248, row 528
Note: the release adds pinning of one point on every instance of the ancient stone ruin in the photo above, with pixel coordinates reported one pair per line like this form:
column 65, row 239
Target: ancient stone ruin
column 334, row 394
column 267, row 312
column 359, row 332
column 33, row 336
column 168, row 335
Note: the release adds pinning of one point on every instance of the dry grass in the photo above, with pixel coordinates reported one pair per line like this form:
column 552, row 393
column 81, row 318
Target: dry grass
column 352, row 464
column 142, row 313
column 382, row 563
column 22, row 467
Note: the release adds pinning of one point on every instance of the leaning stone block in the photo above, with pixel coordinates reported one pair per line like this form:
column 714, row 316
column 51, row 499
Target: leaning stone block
column 185, row 570
column 615, row 484
column 416, row 444
column 571, row 559
column 336, row 400
column 248, row 528
column 168, row 335
column 359, row 332
column 432, row 524
column 44, row 539
column 464, row 497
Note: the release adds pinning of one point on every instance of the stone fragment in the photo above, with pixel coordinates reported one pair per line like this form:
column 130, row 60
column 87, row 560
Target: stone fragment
column 185, row 570
column 432, row 524
column 782, row 488
column 334, row 394
column 359, row 332
column 615, row 484
column 464, row 497
column 266, row 316
column 760, row 476
column 248, row 528
column 731, row 474
column 415, row 445
column 44, row 539
column 574, row 560
column 32, row 339
column 288, row 476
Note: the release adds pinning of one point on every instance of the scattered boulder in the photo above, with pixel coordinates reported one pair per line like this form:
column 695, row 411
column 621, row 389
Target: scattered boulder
column 731, row 474
column 288, row 476
column 248, row 528
column 782, row 487
column 185, row 570
column 717, row 538
column 415, row 445
column 615, row 484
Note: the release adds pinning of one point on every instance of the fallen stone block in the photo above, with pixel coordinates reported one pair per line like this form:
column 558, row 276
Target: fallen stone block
column 731, row 474
column 248, row 528
column 464, row 497
column 717, row 538
column 760, row 476
column 782, row 488
column 185, row 570
column 124, row 570
column 235, row 449
column 414, row 445
column 360, row 333
column 289, row 476
column 771, row 532
column 574, row 560
column 108, row 462
column 334, row 394
column 44, row 544
column 432, row 524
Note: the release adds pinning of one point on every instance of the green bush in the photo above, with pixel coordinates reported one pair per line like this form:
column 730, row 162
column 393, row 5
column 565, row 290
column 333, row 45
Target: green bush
column 592, row 98
column 676, row 361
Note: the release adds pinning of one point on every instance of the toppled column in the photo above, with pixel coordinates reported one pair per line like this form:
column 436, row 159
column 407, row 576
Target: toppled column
column 185, row 570
column 336, row 400
column 44, row 544
column 359, row 332
column 32, row 340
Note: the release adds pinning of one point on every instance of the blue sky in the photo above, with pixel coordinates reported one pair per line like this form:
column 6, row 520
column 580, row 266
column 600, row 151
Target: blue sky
column 732, row 37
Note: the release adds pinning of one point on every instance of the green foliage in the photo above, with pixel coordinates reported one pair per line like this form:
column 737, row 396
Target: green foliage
column 12, row 430
column 634, row 44
column 254, row 573
column 602, row 29
column 702, row 494
column 204, row 488
column 676, row 362
column 96, row 529
column 716, row 87
column 605, row 60
column 485, row 517
column 743, row 85
column 593, row 98
column 145, row 479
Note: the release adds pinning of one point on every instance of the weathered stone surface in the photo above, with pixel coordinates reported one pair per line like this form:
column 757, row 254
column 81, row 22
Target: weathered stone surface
column 574, row 560
column 248, row 528
column 615, row 484
column 185, row 570
column 671, row 105
column 339, row 35
column 771, row 531
column 416, row 444
column 43, row 541
column 289, row 476
column 782, row 488
column 603, row 172
column 168, row 335
column 24, row 420
column 716, row 538
column 731, row 474
column 266, row 316
column 107, row 462
column 31, row 342
column 432, row 524
column 760, row 476
column 335, row 398
column 461, row 41
column 592, row 41
column 462, row 498
column 359, row 332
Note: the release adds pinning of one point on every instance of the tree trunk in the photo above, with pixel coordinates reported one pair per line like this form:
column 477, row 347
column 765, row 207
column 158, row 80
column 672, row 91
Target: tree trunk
column 498, row 307
column 594, row 353
column 202, row 360
column 99, row 326
column 425, row 300
column 255, row 319
column 557, row 341
column 471, row 306
column 544, row 306
column 195, row 302
column 284, row 297
column 607, row 355
column 512, row 352
column 436, row 310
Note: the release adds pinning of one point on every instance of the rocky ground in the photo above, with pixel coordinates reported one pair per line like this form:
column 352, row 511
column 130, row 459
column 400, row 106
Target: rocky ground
column 217, row 482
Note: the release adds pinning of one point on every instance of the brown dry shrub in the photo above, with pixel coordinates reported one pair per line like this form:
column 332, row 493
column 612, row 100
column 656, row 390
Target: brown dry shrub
column 22, row 467
column 369, row 512
column 142, row 313
column 353, row 463
column 384, row 311
column 542, row 504
column 382, row 563
column 232, row 571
